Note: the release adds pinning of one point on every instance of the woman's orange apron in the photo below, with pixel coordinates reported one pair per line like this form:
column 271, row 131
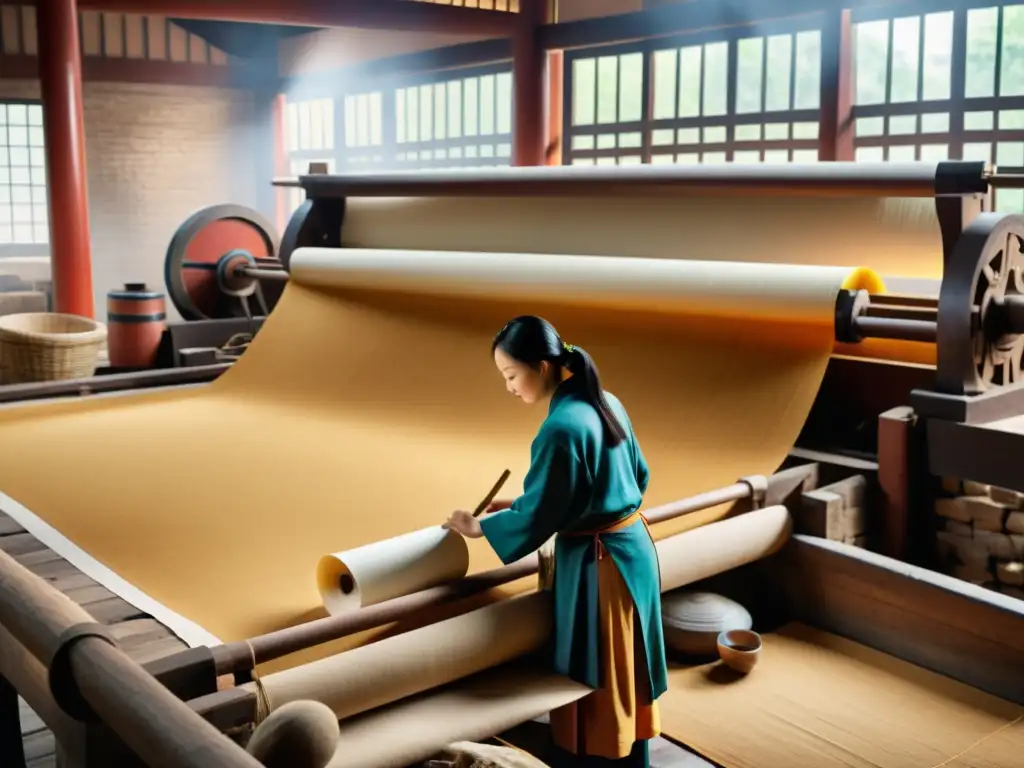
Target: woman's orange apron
column 608, row 721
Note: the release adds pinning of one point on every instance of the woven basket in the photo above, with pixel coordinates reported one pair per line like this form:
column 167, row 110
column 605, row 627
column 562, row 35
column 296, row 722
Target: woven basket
column 46, row 346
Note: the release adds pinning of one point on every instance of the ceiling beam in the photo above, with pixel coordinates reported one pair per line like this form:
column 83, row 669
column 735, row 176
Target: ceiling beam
column 403, row 15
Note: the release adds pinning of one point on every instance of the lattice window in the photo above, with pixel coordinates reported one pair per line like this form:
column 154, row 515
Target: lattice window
column 511, row 6
column 778, row 92
column 994, row 93
column 902, row 87
column 607, row 116
column 459, row 122
column 728, row 96
column 913, row 102
column 364, row 132
column 23, row 205
column 774, row 111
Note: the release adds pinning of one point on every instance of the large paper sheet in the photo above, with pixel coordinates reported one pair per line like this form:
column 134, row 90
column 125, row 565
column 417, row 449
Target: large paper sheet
column 364, row 413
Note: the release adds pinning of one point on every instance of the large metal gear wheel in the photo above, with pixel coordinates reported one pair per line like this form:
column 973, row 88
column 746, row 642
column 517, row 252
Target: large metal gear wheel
column 198, row 267
column 979, row 346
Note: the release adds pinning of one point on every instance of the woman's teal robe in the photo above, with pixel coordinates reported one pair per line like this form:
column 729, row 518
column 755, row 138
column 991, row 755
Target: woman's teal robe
column 577, row 482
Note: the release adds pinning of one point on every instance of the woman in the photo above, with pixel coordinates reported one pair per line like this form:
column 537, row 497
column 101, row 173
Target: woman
column 586, row 481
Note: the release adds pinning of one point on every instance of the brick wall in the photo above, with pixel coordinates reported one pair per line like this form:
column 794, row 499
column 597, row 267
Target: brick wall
column 156, row 153
column 981, row 535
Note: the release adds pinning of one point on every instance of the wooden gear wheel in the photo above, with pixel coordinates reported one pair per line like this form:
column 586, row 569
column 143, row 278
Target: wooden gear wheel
column 202, row 260
column 980, row 343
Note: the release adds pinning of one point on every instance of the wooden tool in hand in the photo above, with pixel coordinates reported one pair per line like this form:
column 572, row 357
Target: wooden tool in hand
column 482, row 506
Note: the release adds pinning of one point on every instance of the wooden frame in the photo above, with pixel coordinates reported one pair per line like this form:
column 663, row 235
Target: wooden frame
column 938, row 622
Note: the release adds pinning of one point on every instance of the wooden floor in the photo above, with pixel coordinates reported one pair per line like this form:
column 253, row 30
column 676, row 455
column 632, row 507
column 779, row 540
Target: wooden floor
column 145, row 639
column 533, row 736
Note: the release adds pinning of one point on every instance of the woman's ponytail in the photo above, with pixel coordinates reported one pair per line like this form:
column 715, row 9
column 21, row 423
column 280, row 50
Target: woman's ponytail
column 582, row 365
column 533, row 340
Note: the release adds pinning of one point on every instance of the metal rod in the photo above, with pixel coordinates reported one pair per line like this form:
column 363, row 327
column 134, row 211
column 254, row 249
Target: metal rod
column 1007, row 180
column 159, row 377
column 840, row 179
column 233, row 658
column 897, row 312
column 890, row 328
column 278, row 275
column 903, row 300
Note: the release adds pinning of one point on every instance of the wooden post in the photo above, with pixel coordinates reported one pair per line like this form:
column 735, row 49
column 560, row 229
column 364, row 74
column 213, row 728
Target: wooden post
column 553, row 139
column 60, row 78
column 528, row 85
column 894, row 465
column 281, row 167
column 835, row 132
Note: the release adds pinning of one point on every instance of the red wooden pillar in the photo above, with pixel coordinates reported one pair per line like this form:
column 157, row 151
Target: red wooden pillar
column 528, row 85
column 553, row 138
column 281, row 167
column 835, row 131
column 60, row 75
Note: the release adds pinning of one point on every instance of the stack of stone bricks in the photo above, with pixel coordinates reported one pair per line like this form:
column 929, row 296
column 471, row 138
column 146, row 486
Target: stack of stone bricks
column 981, row 535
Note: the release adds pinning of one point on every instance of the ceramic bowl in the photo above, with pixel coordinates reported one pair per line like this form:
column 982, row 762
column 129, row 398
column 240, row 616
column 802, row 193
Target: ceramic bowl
column 739, row 649
column 693, row 621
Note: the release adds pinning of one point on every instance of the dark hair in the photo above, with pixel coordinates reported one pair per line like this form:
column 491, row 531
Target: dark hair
column 532, row 340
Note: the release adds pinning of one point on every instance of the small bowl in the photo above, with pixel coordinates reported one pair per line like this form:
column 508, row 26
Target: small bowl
column 739, row 649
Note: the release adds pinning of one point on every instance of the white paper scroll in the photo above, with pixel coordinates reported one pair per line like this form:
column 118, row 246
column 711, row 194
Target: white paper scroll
column 390, row 568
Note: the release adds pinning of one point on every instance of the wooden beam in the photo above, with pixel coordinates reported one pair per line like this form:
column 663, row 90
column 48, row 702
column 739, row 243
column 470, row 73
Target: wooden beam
column 688, row 17
column 957, row 629
column 362, row 14
column 98, row 69
column 835, row 132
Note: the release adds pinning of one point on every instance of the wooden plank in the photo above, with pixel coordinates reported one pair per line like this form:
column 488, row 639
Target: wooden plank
column 39, row 745
column 30, row 721
column 70, row 581
column 965, row 632
column 38, row 559
column 9, row 525
column 114, row 610
column 137, row 633
column 157, row 649
column 21, row 544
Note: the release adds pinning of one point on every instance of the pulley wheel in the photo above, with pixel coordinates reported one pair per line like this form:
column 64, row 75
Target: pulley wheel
column 195, row 260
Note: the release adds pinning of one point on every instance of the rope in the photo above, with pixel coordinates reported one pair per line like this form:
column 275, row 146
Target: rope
column 263, row 704
column 982, row 740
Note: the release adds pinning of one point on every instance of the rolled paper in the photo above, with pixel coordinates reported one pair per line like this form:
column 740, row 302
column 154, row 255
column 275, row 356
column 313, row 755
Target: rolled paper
column 383, row 570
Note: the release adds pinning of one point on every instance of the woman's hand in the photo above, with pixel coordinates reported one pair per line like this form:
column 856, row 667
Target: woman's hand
column 497, row 506
column 464, row 523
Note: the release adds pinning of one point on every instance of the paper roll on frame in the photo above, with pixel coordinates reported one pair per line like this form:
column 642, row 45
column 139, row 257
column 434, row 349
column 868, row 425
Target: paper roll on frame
column 408, row 664
column 747, row 290
column 383, row 570
column 389, row 670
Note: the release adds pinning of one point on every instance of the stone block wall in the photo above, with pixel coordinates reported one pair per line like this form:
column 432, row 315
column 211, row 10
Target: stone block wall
column 980, row 536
